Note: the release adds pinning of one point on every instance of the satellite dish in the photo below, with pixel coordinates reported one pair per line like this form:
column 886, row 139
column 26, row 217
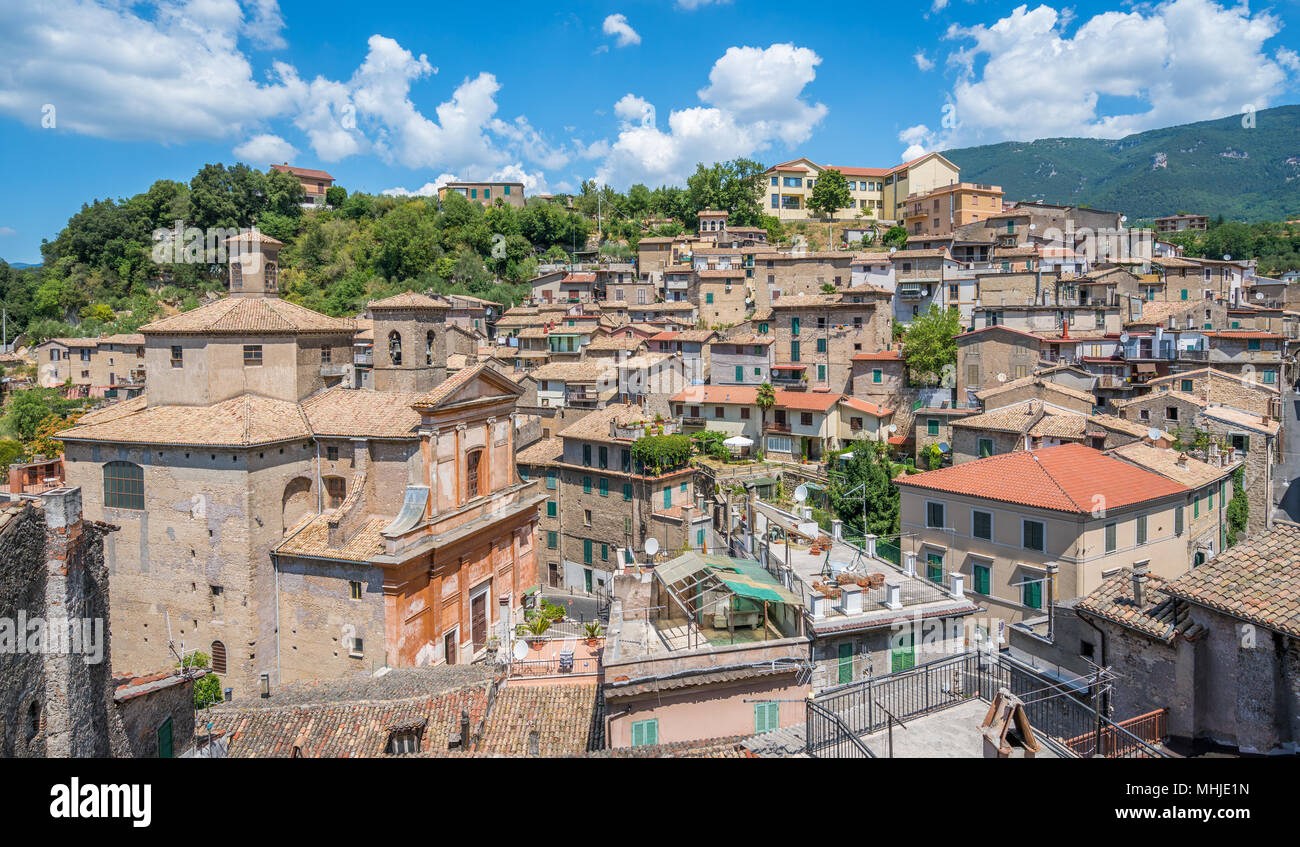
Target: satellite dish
column 892, row 250
column 1154, row 434
column 651, row 546
column 1033, row 226
column 801, row 493
column 1123, row 338
column 1227, row 258
column 1002, row 377
column 893, row 427
column 844, row 457
column 520, row 650
column 1259, row 295
column 1123, row 219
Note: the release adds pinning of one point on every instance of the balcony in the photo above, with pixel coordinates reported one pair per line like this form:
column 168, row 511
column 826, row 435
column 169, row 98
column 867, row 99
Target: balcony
column 912, row 292
column 367, row 358
column 779, row 426
column 581, row 398
column 328, row 369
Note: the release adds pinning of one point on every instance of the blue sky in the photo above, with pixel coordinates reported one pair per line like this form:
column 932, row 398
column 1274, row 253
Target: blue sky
column 396, row 96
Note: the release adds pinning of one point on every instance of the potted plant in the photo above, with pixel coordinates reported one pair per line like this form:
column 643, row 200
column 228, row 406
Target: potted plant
column 536, row 628
column 592, row 632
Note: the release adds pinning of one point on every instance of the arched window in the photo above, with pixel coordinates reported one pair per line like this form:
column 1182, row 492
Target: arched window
column 123, row 486
column 395, row 347
column 218, row 657
column 272, row 276
column 236, row 275
column 428, row 348
column 473, row 482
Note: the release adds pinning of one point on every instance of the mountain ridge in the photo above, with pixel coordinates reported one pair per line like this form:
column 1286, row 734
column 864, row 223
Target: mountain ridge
column 1215, row 167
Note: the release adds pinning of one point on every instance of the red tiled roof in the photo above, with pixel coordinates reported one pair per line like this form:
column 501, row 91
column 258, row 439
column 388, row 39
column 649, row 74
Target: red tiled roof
column 879, row 356
column 746, row 395
column 866, row 406
column 1068, row 478
column 309, row 173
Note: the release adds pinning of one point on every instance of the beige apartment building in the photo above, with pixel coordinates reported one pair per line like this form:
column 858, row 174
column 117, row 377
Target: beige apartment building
column 1035, row 527
column 107, row 364
column 486, row 193
column 876, row 192
column 938, row 212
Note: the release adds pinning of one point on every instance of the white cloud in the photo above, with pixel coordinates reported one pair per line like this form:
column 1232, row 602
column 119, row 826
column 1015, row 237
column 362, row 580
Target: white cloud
column 429, row 189
column 7, row 230
column 1024, row 77
column 266, row 149
column 264, row 23
column 754, row 99
column 534, row 181
column 938, row 5
column 110, row 73
column 692, row 5
column 617, row 26
column 1289, row 59
column 923, row 62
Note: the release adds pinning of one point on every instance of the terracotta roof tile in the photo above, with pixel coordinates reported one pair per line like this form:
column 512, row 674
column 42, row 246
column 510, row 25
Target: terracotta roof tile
column 248, row 315
column 1256, row 581
column 241, row 421
column 1066, row 478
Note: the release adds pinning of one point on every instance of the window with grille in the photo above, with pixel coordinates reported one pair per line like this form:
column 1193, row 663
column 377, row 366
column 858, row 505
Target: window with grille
column 252, row 355
column 472, row 475
column 218, row 657
column 272, row 276
column 236, row 276
column 123, row 486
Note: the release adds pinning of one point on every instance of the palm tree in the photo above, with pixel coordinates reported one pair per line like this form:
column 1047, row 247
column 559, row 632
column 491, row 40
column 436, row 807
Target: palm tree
column 765, row 399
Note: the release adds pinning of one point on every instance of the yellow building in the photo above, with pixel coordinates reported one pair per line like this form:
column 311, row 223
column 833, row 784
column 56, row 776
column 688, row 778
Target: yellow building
column 879, row 193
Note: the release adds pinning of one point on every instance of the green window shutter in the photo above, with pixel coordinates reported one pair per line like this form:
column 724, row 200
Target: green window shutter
column 762, row 328
column 586, row 455
column 1031, row 595
column 604, row 552
column 1142, row 529
column 794, row 326
column 982, row 525
column 165, row 750
column 1196, row 507
column 1033, row 535
column 821, row 345
column 708, row 297
column 766, row 717
column 1186, row 386
column 627, row 491
column 552, row 540
column 740, row 373
column 668, row 496
column 986, row 447
column 1178, row 520
column 794, row 351
column 586, row 485
column 980, row 574
column 934, row 568
column 604, row 487
column 551, row 510
column 1111, row 534
column 551, row 480
column 586, row 550
column 932, row 426
column 699, row 537
column 821, row 373
column 645, row 733
column 877, row 375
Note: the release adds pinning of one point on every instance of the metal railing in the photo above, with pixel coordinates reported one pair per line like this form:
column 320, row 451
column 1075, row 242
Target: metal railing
column 1070, row 726
column 580, row 666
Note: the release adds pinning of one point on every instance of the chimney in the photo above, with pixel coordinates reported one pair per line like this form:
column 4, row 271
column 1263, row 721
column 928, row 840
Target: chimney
column 1140, row 570
column 837, row 529
column 1052, row 568
column 892, row 594
column 1182, row 460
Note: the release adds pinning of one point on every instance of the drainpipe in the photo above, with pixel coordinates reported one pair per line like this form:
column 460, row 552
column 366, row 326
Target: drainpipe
column 1101, row 635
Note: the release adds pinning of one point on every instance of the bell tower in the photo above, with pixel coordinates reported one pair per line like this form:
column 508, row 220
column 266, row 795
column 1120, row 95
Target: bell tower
column 410, row 351
column 253, row 260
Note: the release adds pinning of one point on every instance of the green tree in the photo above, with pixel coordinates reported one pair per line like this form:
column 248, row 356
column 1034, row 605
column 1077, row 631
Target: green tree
column 1238, row 512
column 336, row 196
column 830, row 193
column 27, row 410
column 765, row 399
column 895, row 236
column 870, row 468
column 930, row 345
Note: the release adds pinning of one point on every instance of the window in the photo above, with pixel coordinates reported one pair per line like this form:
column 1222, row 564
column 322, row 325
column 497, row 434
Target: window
column 985, row 447
column 178, row 355
column 586, row 550
column 1240, row 442
column 354, row 587
column 1252, row 344
column 708, row 297
column 1111, row 537
column 219, row 655
column 794, row 351
column 551, row 482
column 932, row 426
column 336, row 491
column 767, row 717
column 794, row 325
column 586, row 485
column 805, row 419
column 981, row 525
column 552, row 509
column 934, row 515
column 627, row 491
column 404, row 741
column 604, row 457
column 740, row 373
column 395, row 347
column 821, row 345
column 1032, row 535
column 1185, row 385
column 604, row 552
column 472, row 481
column 428, row 348
column 586, row 455
column 356, row 649
column 1178, row 520
column 934, row 568
column 980, row 579
column 165, row 750
column 123, row 486
column 1141, row 529
column 1031, row 593
column 604, row 487
column 877, row 376
column 645, row 733
column 552, row 539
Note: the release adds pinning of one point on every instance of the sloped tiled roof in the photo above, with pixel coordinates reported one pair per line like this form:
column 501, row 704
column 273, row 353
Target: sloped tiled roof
column 241, row 421
column 407, row 300
column 310, row 538
column 363, row 413
column 1256, row 581
column 248, row 315
column 1065, row 479
column 568, row 720
column 1160, row 615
